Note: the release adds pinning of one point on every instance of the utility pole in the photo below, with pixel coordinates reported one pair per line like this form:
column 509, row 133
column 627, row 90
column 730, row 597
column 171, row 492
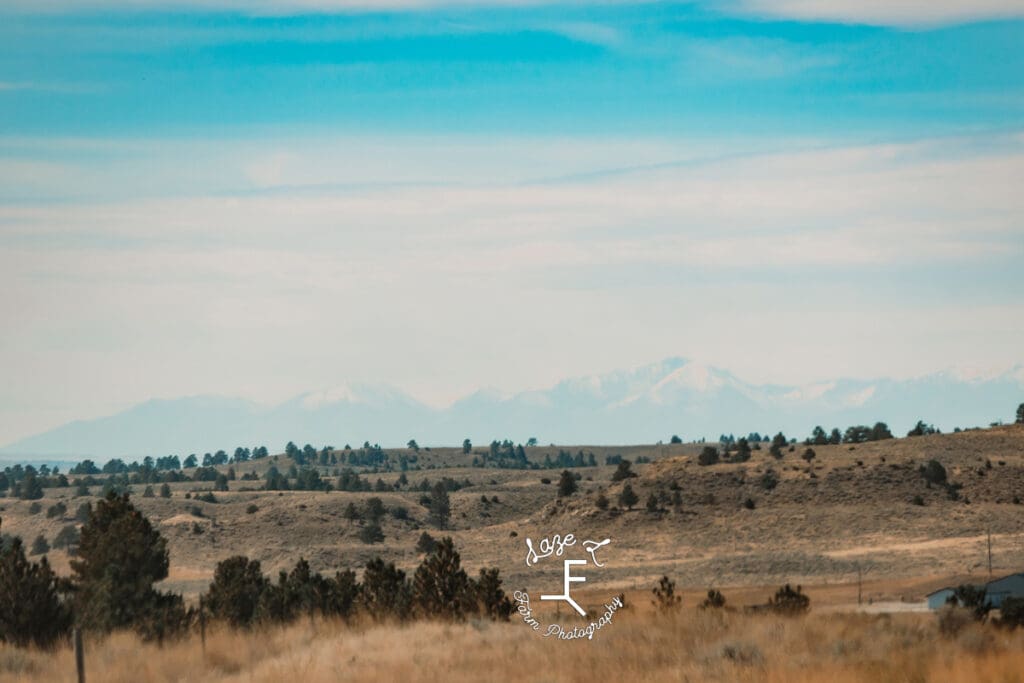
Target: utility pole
column 990, row 553
column 860, row 583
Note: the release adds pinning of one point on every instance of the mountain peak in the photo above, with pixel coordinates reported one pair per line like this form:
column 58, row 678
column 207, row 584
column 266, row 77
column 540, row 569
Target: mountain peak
column 637, row 405
column 352, row 393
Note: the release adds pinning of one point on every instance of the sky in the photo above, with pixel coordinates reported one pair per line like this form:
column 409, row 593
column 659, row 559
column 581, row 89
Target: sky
column 263, row 198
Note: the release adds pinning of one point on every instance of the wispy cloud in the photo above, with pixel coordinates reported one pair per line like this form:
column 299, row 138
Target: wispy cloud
column 883, row 12
column 874, row 12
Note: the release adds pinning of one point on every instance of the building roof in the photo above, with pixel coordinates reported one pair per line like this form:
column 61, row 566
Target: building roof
column 1003, row 578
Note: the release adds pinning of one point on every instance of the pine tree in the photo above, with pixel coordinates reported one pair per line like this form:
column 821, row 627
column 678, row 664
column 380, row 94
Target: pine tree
column 384, row 592
column 492, row 600
column 371, row 533
column 121, row 556
column 623, row 471
column 30, row 488
column 440, row 587
column 40, row 546
column 426, row 543
column 235, row 593
column 440, row 507
column 31, row 611
column 628, row 498
column 566, row 484
column 342, row 595
column 351, row 513
column 375, row 510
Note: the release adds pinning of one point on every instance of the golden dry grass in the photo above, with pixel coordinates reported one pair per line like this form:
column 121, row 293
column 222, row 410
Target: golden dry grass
column 638, row 646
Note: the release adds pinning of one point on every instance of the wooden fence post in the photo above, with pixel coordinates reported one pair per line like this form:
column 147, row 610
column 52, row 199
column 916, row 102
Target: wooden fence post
column 79, row 655
column 202, row 624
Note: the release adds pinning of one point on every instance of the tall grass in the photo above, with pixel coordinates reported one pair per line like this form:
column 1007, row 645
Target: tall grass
column 638, row 646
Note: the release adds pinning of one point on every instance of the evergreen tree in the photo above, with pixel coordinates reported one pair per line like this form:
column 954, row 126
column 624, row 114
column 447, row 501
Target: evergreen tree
column 628, row 498
column 31, row 610
column 236, row 591
column 343, row 593
column 384, row 592
column 375, row 510
column 371, row 533
column 40, row 546
column 566, row 484
column 30, row 488
column 426, row 543
column 440, row 507
column 440, row 587
column 708, row 456
column 623, row 471
column 121, row 556
column 351, row 513
column 492, row 600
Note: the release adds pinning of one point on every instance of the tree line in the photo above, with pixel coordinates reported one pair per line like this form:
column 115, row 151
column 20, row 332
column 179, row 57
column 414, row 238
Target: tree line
column 120, row 556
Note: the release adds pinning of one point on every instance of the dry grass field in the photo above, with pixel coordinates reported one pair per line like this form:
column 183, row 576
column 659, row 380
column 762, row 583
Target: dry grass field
column 639, row 646
column 850, row 508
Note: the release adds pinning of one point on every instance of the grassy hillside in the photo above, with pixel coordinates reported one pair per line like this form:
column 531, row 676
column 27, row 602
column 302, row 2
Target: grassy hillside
column 864, row 505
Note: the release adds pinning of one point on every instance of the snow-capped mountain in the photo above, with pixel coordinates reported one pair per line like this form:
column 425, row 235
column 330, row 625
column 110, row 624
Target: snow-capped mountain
column 644, row 404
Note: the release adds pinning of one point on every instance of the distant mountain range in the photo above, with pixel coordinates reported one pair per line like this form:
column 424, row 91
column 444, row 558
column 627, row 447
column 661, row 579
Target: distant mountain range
column 642, row 405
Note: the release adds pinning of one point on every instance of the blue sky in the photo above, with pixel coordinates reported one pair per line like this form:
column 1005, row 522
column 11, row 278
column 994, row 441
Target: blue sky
column 262, row 198
column 676, row 68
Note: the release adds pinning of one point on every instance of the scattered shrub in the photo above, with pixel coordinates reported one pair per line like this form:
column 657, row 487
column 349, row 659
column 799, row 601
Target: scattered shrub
column 708, row 456
column 40, row 546
column 714, row 600
column 665, row 598
column 371, row 533
column 426, row 543
column 789, row 601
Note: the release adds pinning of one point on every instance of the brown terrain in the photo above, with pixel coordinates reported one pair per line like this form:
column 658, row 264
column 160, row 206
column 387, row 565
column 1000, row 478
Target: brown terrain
column 852, row 508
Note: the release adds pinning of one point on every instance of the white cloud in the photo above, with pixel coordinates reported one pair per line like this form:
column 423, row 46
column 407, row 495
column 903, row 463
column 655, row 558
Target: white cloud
column 885, row 12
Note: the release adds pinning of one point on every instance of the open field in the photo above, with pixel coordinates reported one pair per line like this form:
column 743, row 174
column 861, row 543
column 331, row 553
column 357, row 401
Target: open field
column 850, row 508
column 639, row 645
